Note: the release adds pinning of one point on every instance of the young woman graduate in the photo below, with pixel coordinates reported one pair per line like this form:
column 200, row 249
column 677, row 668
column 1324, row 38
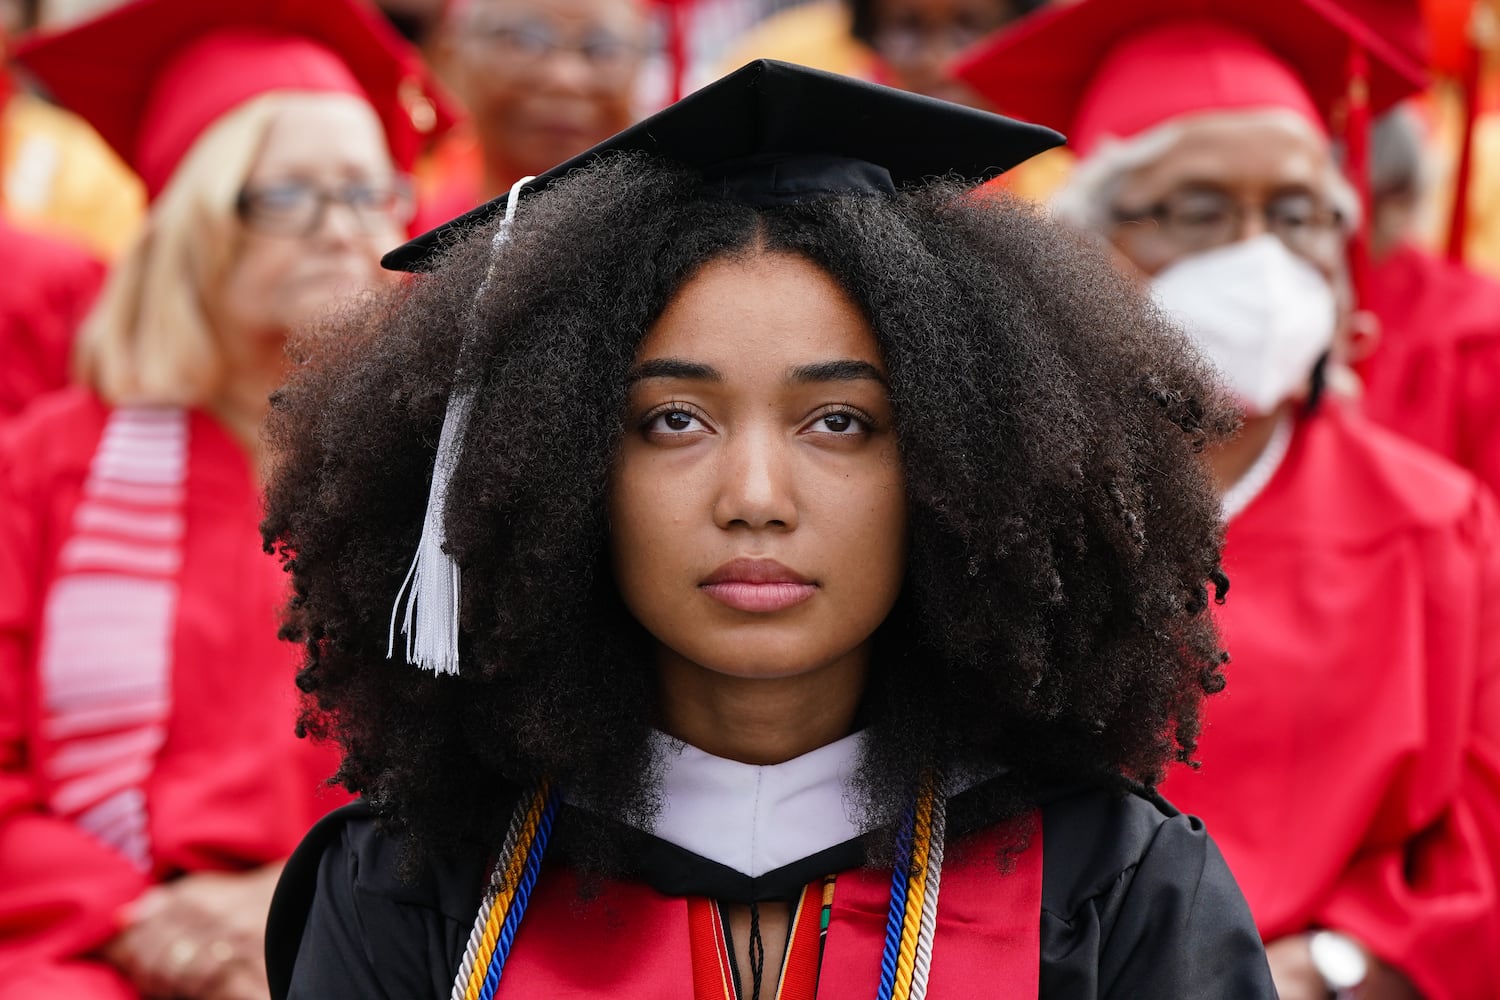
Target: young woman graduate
column 835, row 559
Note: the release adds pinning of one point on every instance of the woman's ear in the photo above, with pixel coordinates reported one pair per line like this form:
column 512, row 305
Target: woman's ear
column 1357, row 338
column 1358, row 332
column 1360, row 337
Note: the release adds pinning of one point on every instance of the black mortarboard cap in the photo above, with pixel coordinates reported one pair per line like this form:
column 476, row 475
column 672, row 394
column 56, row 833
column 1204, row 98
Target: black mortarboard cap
column 775, row 133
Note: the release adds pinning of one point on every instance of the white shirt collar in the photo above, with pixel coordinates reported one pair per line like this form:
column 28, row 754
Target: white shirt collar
column 756, row 819
column 1261, row 471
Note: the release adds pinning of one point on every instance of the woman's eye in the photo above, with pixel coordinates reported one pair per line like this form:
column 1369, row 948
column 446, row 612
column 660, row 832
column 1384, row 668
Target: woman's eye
column 674, row 422
column 838, row 422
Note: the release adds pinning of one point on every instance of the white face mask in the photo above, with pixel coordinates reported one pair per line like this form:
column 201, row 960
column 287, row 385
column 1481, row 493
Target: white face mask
column 1259, row 313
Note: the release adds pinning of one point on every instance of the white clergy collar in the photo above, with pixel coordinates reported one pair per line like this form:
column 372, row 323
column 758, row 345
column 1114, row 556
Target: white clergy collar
column 756, row 819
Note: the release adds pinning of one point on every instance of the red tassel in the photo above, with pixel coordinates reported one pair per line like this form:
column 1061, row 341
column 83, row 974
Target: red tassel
column 1357, row 163
column 1482, row 32
column 677, row 46
column 6, row 89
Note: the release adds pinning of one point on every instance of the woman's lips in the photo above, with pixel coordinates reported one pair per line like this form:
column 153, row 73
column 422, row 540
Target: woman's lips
column 759, row 597
column 757, row 585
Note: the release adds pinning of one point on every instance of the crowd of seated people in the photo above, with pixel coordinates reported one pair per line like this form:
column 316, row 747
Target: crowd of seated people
column 186, row 189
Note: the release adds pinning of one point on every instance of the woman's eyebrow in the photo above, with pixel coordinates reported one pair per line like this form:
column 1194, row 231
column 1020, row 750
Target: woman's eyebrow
column 836, row 371
column 673, row 368
column 842, row 370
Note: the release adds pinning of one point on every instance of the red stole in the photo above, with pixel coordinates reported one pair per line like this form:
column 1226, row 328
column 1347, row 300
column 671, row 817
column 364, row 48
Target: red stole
column 633, row 941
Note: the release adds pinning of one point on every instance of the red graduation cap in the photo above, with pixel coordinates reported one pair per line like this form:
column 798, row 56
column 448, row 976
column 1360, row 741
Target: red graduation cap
column 1101, row 68
column 152, row 75
column 1118, row 67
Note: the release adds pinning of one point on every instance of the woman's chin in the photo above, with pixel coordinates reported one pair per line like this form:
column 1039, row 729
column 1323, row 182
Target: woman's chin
column 763, row 661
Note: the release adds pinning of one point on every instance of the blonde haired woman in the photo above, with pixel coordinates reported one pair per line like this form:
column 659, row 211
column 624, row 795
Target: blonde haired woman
column 242, row 246
column 150, row 781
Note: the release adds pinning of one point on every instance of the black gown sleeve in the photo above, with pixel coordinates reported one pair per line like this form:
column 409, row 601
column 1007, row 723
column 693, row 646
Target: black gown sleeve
column 1153, row 912
column 343, row 924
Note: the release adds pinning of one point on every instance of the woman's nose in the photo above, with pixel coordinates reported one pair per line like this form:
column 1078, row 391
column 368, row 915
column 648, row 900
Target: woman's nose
column 755, row 489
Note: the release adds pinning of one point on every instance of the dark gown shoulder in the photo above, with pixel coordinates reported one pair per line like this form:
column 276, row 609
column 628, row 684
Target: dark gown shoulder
column 343, row 922
column 1136, row 902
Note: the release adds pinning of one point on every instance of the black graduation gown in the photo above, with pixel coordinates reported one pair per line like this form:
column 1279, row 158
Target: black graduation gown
column 1136, row 902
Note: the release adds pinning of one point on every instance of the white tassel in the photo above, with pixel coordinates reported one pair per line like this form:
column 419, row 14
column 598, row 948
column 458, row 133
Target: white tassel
column 431, row 586
column 430, row 591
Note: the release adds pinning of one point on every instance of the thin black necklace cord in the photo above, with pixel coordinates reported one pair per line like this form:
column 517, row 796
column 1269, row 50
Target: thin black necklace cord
column 757, row 949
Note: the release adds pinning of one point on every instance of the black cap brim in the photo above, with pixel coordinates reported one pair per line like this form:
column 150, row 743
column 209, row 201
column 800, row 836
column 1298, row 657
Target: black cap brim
column 768, row 109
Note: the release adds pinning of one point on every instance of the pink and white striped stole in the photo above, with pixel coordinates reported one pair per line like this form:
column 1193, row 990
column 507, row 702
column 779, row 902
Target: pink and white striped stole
column 108, row 625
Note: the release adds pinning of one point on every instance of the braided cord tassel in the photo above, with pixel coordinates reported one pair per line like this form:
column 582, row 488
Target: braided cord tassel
column 476, row 936
column 898, row 908
column 916, row 893
column 524, row 843
column 503, row 898
column 518, row 906
column 923, row 964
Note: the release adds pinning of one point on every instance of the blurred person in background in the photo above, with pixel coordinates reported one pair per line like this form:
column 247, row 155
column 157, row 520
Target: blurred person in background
column 901, row 43
column 542, row 81
column 65, row 199
column 150, row 779
column 916, row 41
column 1435, row 375
column 17, row 15
column 1463, row 107
column 57, row 177
column 1351, row 771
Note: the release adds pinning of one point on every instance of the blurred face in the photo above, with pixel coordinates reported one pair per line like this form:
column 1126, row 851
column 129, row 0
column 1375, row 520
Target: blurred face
column 13, row 17
column 1227, row 180
column 546, row 80
column 319, row 207
column 1234, row 227
column 757, row 506
column 918, row 39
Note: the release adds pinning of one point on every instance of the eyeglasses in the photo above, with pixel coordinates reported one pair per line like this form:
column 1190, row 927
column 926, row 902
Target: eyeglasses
column 298, row 208
column 520, row 47
column 1201, row 220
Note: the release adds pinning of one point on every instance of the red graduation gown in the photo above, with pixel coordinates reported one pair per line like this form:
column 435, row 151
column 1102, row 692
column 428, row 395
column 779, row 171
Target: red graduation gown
column 1435, row 376
column 158, row 752
column 1350, row 769
column 48, row 288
